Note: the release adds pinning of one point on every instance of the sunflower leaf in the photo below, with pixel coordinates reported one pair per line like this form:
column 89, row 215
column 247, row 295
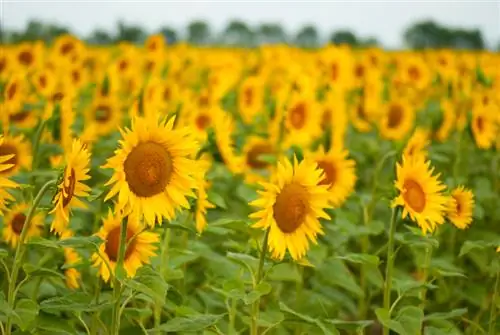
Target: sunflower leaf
column 35, row 271
column 3, row 253
column 445, row 316
column 150, row 283
column 25, row 313
column 193, row 323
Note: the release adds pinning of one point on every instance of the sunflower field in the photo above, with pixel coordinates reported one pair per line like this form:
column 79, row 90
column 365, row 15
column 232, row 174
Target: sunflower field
column 153, row 189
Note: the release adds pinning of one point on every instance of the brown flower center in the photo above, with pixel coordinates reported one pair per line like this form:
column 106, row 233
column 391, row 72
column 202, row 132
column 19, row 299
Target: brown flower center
column 3, row 64
column 359, row 71
column 75, row 75
column 123, row 65
column 291, row 207
column 203, row 101
column 66, row 48
column 167, row 94
column 11, row 91
column 395, row 116
column 19, row 116
column 102, row 113
column 458, row 207
column 112, row 247
column 8, row 149
column 253, row 155
column 480, row 123
column 68, row 189
column 414, row 195
column 298, row 115
column 58, row 96
column 330, row 170
column 25, row 58
column 148, row 169
column 203, row 121
column 326, row 119
column 17, row 223
column 248, row 96
column 42, row 80
column 414, row 73
column 334, row 71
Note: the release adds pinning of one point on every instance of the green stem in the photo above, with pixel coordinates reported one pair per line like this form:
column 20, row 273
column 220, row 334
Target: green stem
column 117, row 285
column 20, row 252
column 389, row 265
column 256, row 305
column 95, row 315
column 427, row 263
column 163, row 272
column 36, row 144
column 232, row 317
column 493, row 319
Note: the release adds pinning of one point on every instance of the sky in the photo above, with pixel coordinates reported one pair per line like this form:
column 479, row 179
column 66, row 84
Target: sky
column 385, row 20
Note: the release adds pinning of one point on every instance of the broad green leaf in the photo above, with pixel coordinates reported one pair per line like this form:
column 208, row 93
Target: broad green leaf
column 35, row 271
column 52, row 324
column 247, row 261
column 455, row 313
column 284, row 272
column 179, row 257
column 43, row 242
column 194, row 323
column 91, row 242
column 308, row 319
column 138, row 313
column 410, row 286
column 262, row 289
column 216, row 199
column 350, row 325
column 384, row 318
column 234, row 288
column 270, row 318
column 360, row 258
column 76, row 302
column 468, row 246
column 150, row 283
column 3, row 253
column 26, row 311
column 336, row 272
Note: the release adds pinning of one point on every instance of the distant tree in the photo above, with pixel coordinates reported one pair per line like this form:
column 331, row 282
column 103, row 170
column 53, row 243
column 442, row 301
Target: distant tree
column 170, row 34
column 344, row 37
column 130, row 33
column 428, row 34
column 101, row 37
column 238, row 33
column 198, row 32
column 307, row 37
column 498, row 46
column 370, row 42
column 269, row 33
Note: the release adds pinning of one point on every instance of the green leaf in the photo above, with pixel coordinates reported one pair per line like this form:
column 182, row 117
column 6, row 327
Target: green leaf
column 150, row 283
column 26, row 311
column 35, row 271
column 75, row 302
column 309, row 319
column 245, row 260
column 91, row 242
column 216, row 199
column 360, row 258
column 411, row 318
column 349, row 325
column 194, row 323
column 179, row 257
column 43, row 242
column 468, row 246
column 384, row 318
column 234, row 289
column 52, row 324
column 445, row 316
column 262, row 289
column 3, row 253
column 284, row 272
column 336, row 272
column 138, row 313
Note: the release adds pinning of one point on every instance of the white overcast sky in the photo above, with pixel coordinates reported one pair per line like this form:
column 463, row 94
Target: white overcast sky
column 386, row 20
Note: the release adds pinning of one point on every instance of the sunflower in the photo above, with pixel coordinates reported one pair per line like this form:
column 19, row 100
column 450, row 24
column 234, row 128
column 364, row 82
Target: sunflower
column 15, row 91
column 6, row 63
column 155, row 43
column 417, row 143
column 224, row 128
column 25, row 117
column 484, row 126
column 153, row 169
column 460, row 207
column 302, row 120
column 415, row 72
column 105, row 114
column 71, row 258
column 200, row 120
column 140, row 246
column 420, row 193
column 14, row 222
column 4, row 182
column 334, row 117
column 62, row 117
column 202, row 203
column 256, row 168
column 339, row 173
column 19, row 151
column 68, row 49
column 27, row 56
column 71, row 186
column 448, row 120
column 250, row 98
column 397, row 120
column 291, row 206
column 359, row 117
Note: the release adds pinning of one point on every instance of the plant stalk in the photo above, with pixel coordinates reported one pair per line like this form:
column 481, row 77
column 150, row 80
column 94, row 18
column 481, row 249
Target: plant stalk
column 117, row 285
column 256, row 305
column 389, row 265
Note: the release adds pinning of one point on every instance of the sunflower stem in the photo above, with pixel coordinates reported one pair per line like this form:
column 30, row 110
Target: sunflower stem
column 389, row 265
column 117, row 285
column 493, row 319
column 20, row 249
column 256, row 305
column 427, row 263
column 163, row 271
column 95, row 315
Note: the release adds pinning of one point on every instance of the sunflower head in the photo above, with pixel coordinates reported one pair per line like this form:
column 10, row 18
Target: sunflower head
column 153, row 169
column 291, row 206
column 397, row 120
column 460, row 207
column 19, row 151
column 140, row 246
column 417, row 143
column 420, row 193
column 14, row 221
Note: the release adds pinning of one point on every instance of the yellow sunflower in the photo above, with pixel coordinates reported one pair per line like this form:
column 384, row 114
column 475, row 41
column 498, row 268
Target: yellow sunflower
column 250, row 98
column 155, row 43
column 334, row 116
column 460, row 207
column 153, row 169
column 291, row 206
column 140, row 246
column 4, row 182
column 420, row 193
column 71, row 186
column 200, row 120
column 302, row 118
column 397, row 120
column 224, row 128
column 257, row 169
column 359, row 117
column 484, row 126
column 19, row 151
column 14, row 222
column 448, row 121
column 417, row 143
column 105, row 114
column 339, row 173
column 15, row 91
column 71, row 258
column 62, row 115
column 45, row 82
column 202, row 203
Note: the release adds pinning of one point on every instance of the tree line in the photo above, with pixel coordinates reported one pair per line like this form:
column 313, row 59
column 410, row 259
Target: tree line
column 424, row 34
